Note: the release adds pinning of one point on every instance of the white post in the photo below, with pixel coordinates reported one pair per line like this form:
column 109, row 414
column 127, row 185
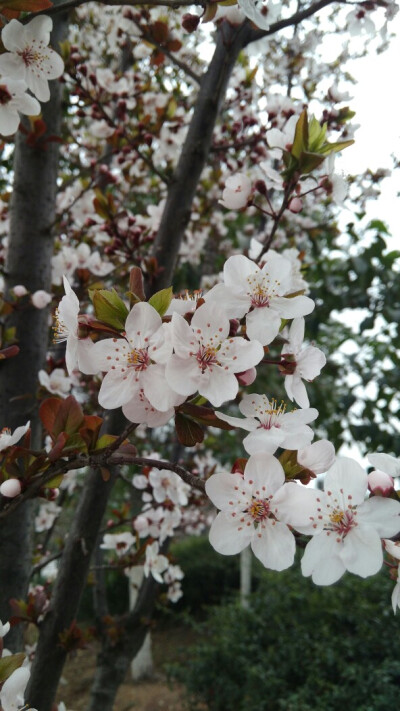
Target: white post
column 245, row 576
column 142, row 665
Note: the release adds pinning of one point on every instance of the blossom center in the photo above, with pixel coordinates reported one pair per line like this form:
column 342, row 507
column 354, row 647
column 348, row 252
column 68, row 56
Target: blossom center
column 206, row 358
column 270, row 416
column 5, row 95
column 261, row 289
column 259, row 297
column 342, row 521
column 139, row 359
column 30, row 56
column 259, row 510
column 61, row 331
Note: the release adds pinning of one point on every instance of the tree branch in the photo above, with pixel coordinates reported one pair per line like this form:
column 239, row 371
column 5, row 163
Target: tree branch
column 98, row 460
column 72, row 4
column 294, row 19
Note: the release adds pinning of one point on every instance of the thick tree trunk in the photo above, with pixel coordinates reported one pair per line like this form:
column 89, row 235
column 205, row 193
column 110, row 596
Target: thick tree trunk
column 74, row 567
column 114, row 660
column 32, row 215
column 196, row 148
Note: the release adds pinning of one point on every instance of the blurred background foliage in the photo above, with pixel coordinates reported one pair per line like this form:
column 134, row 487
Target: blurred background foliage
column 296, row 647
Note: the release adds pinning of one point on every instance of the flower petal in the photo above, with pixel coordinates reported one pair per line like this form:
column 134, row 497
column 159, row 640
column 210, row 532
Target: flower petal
column 274, row 545
column 229, row 535
column 362, row 551
column 347, row 480
column 382, row 514
column 322, row 560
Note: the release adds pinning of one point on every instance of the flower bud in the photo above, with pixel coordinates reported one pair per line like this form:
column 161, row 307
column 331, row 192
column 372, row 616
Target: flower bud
column 295, row 205
column 247, row 377
column 40, row 299
column 190, row 22
column 318, row 457
column 380, row 483
column 10, row 488
column 20, row 290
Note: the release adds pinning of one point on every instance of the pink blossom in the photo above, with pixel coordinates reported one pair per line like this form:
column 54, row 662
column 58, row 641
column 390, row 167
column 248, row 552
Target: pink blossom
column 249, row 515
column 237, row 192
column 135, row 363
column 20, row 290
column 13, row 689
column 270, row 426
column 8, row 440
column 304, row 363
column 118, row 542
column 29, row 58
column 155, row 562
column 380, row 483
column 346, row 529
column 40, row 299
column 318, row 457
column 78, row 351
column 261, row 294
column 205, row 358
column 14, row 101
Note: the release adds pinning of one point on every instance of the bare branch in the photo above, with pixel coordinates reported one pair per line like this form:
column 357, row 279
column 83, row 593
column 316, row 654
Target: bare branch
column 184, row 474
column 72, row 4
column 294, row 19
column 107, row 457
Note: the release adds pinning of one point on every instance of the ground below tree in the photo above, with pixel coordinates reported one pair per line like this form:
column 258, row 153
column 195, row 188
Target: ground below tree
column 155, row 694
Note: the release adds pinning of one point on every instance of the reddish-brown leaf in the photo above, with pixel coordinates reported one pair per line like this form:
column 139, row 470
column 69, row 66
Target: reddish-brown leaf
column 48, row 411
column 69, row 417
column 158, row 58
column 173, row 45
column 205, row 415
column 24, row 5
column 159, row 32
column 105, row 474
column 188, row 431
column 136, row 285
column 58, row 447
column 90, row 430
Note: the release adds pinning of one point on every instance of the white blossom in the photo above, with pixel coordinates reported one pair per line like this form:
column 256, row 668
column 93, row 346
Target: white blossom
column 8, row 440
column 346, row 529
column 29, row 58
column 14, row 101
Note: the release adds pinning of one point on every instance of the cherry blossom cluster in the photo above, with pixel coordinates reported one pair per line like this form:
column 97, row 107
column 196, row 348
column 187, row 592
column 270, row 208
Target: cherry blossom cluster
column 156, row 363
column 27, row 65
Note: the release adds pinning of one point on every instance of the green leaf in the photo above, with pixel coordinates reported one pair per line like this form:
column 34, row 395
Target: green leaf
column 309, row 161
column 54, row 483
column 109, row 308
column 329, row 148
column 317, row 134
column 105, row 440
column 161, row 300
column 300, row 142
column 8, row 665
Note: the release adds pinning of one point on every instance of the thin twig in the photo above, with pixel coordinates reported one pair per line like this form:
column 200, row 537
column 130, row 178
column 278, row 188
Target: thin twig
column 99, row 460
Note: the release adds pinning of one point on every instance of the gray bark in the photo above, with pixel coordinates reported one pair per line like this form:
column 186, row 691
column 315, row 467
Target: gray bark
column 114, row 660
column 74, row 567
column 32, row 215
column 196, row 148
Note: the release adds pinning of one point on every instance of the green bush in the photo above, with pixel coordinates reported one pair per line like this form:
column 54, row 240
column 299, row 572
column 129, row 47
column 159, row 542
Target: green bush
column 209, row 576
column 298, row 648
